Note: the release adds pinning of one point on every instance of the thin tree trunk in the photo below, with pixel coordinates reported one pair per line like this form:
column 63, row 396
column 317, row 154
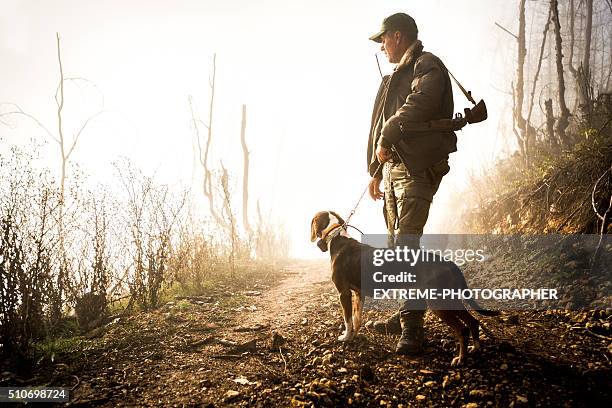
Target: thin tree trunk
column 245, row 174
column 203, row 157
column 231, row 222
column 585, row 77
column 62, row 274
column 603, row 60
column 208, row 192
column 563, row 120
column 582, row 74
column 550, row 124
column 519, row 139
column 607, row 88
column 60, row 128
column 586, row 58
column 572, row 36
column 535, row 79
column 203, row 151
column 570, row 60
column 520, row 122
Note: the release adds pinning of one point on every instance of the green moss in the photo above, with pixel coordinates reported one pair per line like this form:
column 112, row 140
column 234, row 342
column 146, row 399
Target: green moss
column 233, row 301
column 54, row 348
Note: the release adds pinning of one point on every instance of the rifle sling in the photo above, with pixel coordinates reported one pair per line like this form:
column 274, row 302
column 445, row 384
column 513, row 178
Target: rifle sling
column 467, row 94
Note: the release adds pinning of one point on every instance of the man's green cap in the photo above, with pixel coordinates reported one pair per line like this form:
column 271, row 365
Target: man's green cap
column 396, row 22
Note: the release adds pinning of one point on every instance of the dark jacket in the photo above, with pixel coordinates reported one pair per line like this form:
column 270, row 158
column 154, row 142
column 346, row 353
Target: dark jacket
column 418, row 90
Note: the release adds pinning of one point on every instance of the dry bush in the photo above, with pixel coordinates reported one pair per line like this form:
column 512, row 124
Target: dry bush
column 98, row 274
column 92, row 272
column 48, row 266
column 151, row 213
column 29, row 292
column 132, row 243
column 196, row 256
column 230, row 219
column 558, row 193
column 219, row 249
column 271, row 241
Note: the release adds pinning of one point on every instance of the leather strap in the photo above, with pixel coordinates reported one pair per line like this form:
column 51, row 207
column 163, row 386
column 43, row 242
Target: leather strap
column 467, row 94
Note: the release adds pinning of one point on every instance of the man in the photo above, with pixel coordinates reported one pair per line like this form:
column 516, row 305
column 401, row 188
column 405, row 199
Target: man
column 418, row 90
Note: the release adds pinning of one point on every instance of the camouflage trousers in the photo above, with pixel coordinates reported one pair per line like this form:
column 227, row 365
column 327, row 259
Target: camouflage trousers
column 407, row 201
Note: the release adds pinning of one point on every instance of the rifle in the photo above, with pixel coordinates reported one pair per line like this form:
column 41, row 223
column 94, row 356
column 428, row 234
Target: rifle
column 471, row 115
column 476, row 114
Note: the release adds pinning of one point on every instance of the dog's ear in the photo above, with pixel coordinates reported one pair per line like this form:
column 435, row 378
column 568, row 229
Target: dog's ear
column 319, row 223
column 313, row 229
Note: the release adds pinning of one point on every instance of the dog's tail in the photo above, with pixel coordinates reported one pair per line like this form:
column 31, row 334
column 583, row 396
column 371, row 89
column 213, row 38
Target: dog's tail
column 478, row 309
column 471, row 302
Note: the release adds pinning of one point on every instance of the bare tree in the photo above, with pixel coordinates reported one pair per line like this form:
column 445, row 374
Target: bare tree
column 539, row 66
column 521, row 128
column 586, row 57
column 563, row 120
column 582, row 73
column 245, row 174
column 519, row 120
column 66, row 146
column 550, row 123
column 204, row 148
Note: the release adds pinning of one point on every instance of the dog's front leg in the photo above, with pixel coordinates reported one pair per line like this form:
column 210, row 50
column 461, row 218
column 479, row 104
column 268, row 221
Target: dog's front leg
column 347, row 309
column 357, row 311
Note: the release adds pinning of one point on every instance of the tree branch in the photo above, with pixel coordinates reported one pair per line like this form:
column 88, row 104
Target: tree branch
column 78, row 135
column 19, row 111
column 535, row 80
column 506, row 30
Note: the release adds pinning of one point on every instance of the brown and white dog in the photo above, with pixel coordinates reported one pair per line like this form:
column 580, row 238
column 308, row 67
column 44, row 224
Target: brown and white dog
column 346, row 254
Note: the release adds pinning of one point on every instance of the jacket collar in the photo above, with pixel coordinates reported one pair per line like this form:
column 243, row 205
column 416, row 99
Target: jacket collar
column 411, row 54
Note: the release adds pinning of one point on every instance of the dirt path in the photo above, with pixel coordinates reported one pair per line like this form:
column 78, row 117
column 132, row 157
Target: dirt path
column 276, row 346
column 291, row 301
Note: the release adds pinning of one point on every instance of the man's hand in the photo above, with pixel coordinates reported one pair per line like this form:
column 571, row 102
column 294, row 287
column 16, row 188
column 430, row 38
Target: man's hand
column 383, row 154
column 374, row 188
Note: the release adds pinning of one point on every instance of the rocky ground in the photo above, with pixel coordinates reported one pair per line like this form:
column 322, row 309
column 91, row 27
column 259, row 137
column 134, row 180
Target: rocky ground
column 275, row 345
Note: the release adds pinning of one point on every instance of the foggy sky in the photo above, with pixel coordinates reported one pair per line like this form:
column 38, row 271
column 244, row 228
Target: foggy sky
column 305, row 70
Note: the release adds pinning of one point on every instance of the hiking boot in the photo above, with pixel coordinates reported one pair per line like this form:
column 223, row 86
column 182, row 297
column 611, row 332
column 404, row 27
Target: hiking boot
column 390, row 326
column 413, row 335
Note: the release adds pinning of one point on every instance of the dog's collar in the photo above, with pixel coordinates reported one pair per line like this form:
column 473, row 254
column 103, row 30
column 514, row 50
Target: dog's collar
column 331, row 232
